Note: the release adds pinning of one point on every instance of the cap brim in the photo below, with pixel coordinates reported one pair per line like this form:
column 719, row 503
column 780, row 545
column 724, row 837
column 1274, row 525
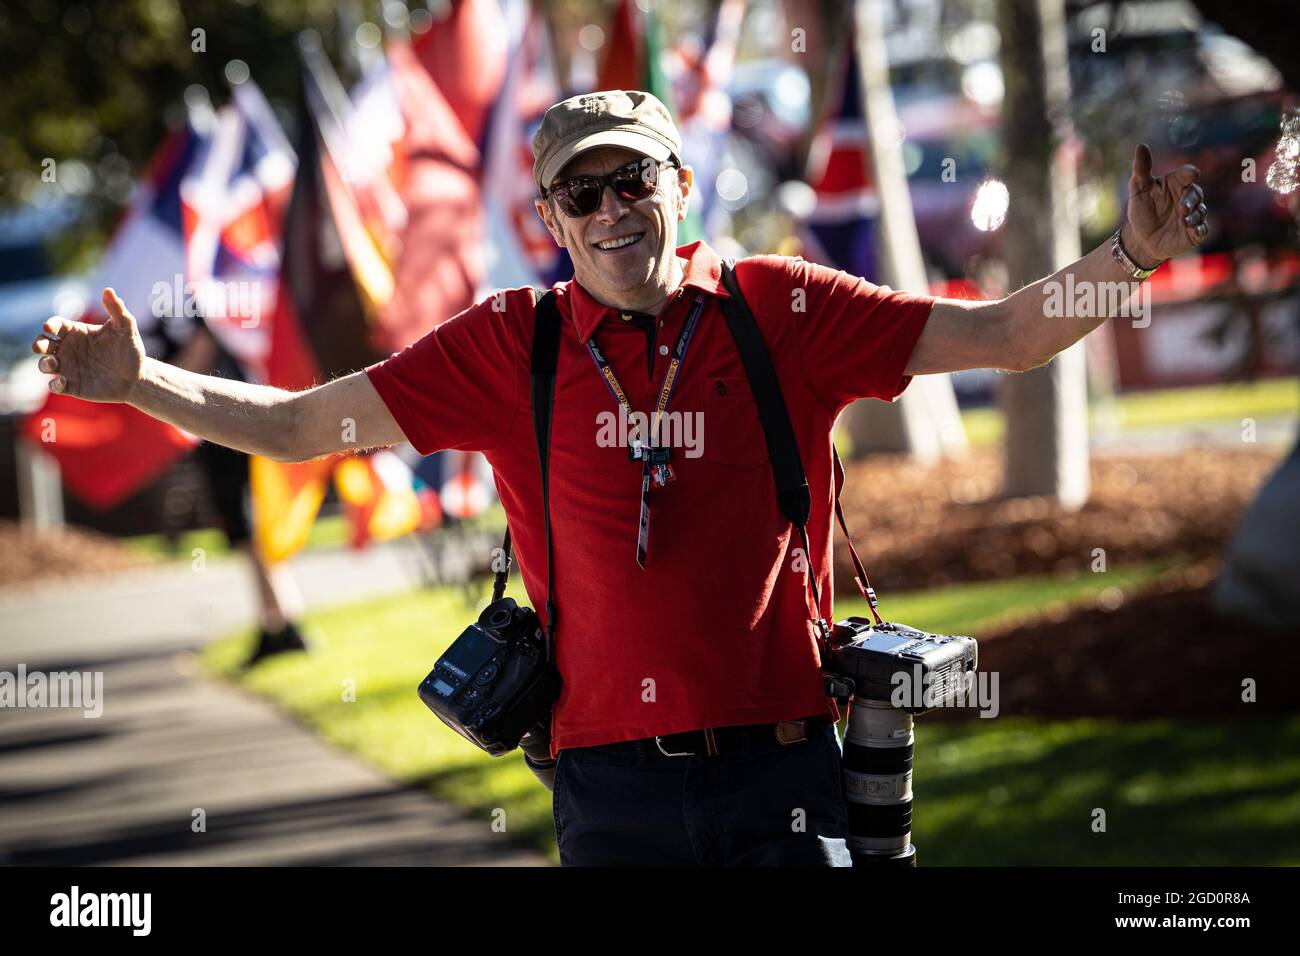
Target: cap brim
column 626, row 138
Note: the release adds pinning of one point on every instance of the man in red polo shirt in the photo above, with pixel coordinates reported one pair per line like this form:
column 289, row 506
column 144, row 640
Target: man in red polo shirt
column 692, row 726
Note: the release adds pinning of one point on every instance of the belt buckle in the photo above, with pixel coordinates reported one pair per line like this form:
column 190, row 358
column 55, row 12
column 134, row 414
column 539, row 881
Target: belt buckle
column 684, row 753
column 710, row 744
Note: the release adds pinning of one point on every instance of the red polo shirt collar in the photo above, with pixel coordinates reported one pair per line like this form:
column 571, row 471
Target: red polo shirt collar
column 703, row 272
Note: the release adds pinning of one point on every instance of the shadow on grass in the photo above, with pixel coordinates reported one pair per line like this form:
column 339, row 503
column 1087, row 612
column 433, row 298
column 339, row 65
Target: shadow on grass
column 1173, row 793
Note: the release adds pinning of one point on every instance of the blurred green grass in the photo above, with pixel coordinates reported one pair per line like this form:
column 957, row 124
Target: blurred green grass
column 1269, row 398
column 331, row 531
column 1022, row 792
column 969, row 608
column 1006, row 791
column 327, row 532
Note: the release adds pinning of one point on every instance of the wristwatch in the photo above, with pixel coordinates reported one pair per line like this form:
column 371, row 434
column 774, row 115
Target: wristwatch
column 1120, row 255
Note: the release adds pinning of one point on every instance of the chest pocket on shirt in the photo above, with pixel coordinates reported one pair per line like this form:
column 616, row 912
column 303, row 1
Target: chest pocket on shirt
column 733, row 435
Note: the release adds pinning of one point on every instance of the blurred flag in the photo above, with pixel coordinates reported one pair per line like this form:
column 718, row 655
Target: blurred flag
column 355, row 210
column 108, row 452
column 233, row 199
column 382, row 242
column 105, row 453
column 841, row 231
column 523, row 252
column 633, row 60
column 440, row 269
column 145, row 259
column 466, row 487
column 378, row 491
column 464, row 54
column 625, row 60
column 388, row 180
column 700, row 85
column 320, row 327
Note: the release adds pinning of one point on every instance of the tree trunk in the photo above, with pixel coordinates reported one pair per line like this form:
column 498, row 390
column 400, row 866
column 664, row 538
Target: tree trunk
column 925, row 421
column 1046, row 409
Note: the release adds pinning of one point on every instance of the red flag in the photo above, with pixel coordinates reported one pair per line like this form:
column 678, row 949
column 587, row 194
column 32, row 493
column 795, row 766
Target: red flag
column 105, row 452
column 465, row 55
column 623, row 63
column 440, row 267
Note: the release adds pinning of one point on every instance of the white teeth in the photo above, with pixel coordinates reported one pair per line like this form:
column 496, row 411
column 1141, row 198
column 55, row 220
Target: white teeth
column 618, row 243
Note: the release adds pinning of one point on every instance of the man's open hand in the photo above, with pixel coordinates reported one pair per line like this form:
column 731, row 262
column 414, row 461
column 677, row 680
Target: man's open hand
column 100, row 363
column 1166, row 214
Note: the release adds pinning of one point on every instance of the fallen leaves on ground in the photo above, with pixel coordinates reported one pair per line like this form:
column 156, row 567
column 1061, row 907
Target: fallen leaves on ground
column 917, row 526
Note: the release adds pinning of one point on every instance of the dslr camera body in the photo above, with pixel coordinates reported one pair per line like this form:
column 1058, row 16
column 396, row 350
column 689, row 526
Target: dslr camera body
column 867, row 659
column 496, row 681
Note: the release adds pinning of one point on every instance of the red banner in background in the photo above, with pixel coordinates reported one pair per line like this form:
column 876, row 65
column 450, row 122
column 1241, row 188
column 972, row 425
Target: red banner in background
column 441, row 266
column 106, row 452
column 1211, row 319
column 465, row 56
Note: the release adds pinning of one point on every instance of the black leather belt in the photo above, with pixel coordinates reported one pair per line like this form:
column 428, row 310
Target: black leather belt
column 712, row 742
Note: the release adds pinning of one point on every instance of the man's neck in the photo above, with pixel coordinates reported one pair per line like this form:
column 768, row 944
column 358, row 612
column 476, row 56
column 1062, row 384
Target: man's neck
column 653, row 307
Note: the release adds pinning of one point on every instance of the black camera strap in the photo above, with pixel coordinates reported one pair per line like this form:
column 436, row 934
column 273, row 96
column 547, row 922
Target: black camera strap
column 545, row 359
column 792, row 493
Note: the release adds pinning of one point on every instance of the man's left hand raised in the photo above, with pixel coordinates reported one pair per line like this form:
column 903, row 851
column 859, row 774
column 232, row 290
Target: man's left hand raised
column 1166, row 214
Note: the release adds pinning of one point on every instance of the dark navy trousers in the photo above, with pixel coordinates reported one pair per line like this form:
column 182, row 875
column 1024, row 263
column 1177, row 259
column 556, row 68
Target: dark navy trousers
column 627, row 804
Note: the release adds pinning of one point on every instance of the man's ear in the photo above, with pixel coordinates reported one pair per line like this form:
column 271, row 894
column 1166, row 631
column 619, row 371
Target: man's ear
column 548, row 216
column 685, row 182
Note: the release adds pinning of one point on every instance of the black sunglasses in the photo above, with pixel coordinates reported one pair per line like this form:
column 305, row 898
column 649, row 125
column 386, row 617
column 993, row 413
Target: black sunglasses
column 580, row 196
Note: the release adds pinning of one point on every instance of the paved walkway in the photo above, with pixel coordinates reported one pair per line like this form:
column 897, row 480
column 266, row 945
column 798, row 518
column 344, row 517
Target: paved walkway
column 126, row 788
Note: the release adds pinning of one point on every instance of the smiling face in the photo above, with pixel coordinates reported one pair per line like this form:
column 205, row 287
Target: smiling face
column 636, row 275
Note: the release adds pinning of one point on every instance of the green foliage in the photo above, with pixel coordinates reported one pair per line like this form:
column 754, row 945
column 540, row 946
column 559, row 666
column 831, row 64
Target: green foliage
column 99, row 82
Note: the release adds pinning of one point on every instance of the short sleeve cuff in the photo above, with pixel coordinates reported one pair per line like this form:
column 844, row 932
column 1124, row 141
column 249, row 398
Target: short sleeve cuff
column 915, row 312
column 381, row 377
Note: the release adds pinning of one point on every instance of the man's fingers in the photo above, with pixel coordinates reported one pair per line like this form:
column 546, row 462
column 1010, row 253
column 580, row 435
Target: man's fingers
column 48, row 363
column 115, row 307
column 1182, row 177
column 58, row 384
column 59, row 327
column 41, row 345
column 1192, row 196
column 1141, row 179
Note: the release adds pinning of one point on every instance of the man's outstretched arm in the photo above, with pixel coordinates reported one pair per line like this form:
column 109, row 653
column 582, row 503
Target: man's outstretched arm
column 1166, row 217
column 106, row 363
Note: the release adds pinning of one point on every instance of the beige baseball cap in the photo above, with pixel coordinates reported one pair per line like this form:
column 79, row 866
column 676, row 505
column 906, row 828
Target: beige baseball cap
column 631, row 119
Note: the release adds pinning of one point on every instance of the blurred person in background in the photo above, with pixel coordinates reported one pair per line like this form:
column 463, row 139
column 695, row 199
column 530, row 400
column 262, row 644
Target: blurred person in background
column 279, row 601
